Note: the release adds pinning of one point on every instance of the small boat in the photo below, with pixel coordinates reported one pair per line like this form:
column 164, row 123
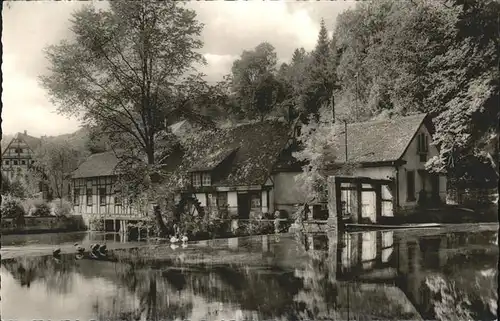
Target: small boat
column 56, row 252
column 174, row 239
column 184, row 239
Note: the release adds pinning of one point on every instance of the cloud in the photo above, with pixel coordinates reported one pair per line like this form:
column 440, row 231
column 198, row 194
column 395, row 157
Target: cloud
column 231, row 27
column 25, row 105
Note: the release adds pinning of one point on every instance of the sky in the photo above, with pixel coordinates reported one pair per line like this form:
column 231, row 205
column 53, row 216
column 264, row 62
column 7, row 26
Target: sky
column 230, row 28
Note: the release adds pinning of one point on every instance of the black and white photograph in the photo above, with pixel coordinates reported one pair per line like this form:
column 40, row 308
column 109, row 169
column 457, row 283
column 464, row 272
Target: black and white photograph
column 250, row 160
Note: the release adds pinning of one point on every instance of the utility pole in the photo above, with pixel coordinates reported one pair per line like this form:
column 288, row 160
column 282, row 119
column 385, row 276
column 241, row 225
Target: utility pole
column 333, row 109
column 345, row 138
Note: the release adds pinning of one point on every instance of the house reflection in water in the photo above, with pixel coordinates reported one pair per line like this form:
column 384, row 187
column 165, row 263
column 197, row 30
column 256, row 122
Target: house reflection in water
column 402, row 258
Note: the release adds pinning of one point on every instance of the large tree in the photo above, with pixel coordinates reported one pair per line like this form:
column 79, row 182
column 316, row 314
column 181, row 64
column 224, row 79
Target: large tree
column 322, row 78
column 254, row 81
column 310, row 78
column 55, row 161
column 129, row 71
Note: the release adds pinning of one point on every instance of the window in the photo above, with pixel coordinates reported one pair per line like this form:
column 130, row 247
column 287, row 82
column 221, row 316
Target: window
column 15, row 162
column 7, row 162
column 196, row 180
column 221, row 199
column 297, row 131
column 102, row 196
column 76, row 196
column 255, row 201
column 410, row 185
column 423, row 147
column 23, row 162
column 32, row 162
column 89, row 197
column 206, row 179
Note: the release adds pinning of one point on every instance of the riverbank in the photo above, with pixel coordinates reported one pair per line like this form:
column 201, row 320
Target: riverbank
column 153, row 248
column 43, row 224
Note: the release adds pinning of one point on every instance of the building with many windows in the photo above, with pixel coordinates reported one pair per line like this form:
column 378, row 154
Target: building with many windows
column 248, row 170
column 18, row 155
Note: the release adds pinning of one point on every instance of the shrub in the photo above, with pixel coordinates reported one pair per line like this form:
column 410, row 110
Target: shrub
column 96, row 223
column 12, row 208
column 62, row 208
column 17, row 189
column 41, row 209
column 255, row 227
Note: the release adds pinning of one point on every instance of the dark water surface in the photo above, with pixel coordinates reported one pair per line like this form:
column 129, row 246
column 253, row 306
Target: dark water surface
column 442, row 274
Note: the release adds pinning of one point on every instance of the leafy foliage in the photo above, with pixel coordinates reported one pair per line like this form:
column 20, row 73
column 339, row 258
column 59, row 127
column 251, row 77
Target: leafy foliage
column 41, row 208
column 421, row 56
column 62, row 208
column 96, row 223
column 254, row 81
column 316, row 140
column 22, row 186
column 54, row 161
column 128, row 71
column 12, row 208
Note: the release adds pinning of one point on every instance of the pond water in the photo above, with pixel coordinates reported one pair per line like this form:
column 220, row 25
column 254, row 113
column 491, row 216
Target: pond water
column 443, row 274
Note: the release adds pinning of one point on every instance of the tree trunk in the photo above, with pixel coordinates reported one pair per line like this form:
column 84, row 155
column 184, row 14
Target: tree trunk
column 159, row 221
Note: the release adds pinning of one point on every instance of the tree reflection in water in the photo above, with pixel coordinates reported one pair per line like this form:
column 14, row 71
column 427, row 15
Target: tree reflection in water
column 357, row 276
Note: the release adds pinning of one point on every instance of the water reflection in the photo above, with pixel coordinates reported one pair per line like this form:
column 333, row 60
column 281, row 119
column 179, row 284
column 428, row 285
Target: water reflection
column 64, row 238
column 359, row 276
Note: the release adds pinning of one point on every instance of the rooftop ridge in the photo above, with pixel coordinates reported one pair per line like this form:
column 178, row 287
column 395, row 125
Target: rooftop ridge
column 379, row 121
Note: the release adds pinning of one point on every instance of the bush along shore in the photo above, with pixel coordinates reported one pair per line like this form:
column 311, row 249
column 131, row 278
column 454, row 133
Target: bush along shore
column 30, row 216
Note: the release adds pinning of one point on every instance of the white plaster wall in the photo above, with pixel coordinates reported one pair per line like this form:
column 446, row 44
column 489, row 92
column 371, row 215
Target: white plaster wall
column 202, row 199
column 385, row 172
column 265, row 209
column 232, row 199
column 413, row 163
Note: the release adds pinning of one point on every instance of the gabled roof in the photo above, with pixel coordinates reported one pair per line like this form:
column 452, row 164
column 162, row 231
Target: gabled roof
column 255, row 147
column 213, row 160
column 101, row 164
column 32, row 142
column 376, row 141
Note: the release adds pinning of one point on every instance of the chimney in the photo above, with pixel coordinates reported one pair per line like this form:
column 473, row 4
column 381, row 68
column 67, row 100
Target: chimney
column 25, row 132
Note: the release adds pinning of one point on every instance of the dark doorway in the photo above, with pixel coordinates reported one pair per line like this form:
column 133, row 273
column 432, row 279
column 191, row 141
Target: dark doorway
column 243, row 206
column 410, row 186
column 435, row 189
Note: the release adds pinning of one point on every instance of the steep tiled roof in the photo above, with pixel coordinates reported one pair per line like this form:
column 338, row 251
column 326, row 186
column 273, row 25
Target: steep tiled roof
column 376, row 141
column 213, row 160
column 102, row 164
column 258, row 147
column 253, row 148
column 32, row 142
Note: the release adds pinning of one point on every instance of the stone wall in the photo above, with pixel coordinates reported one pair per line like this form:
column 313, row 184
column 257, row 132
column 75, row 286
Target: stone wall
column 43, row 224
